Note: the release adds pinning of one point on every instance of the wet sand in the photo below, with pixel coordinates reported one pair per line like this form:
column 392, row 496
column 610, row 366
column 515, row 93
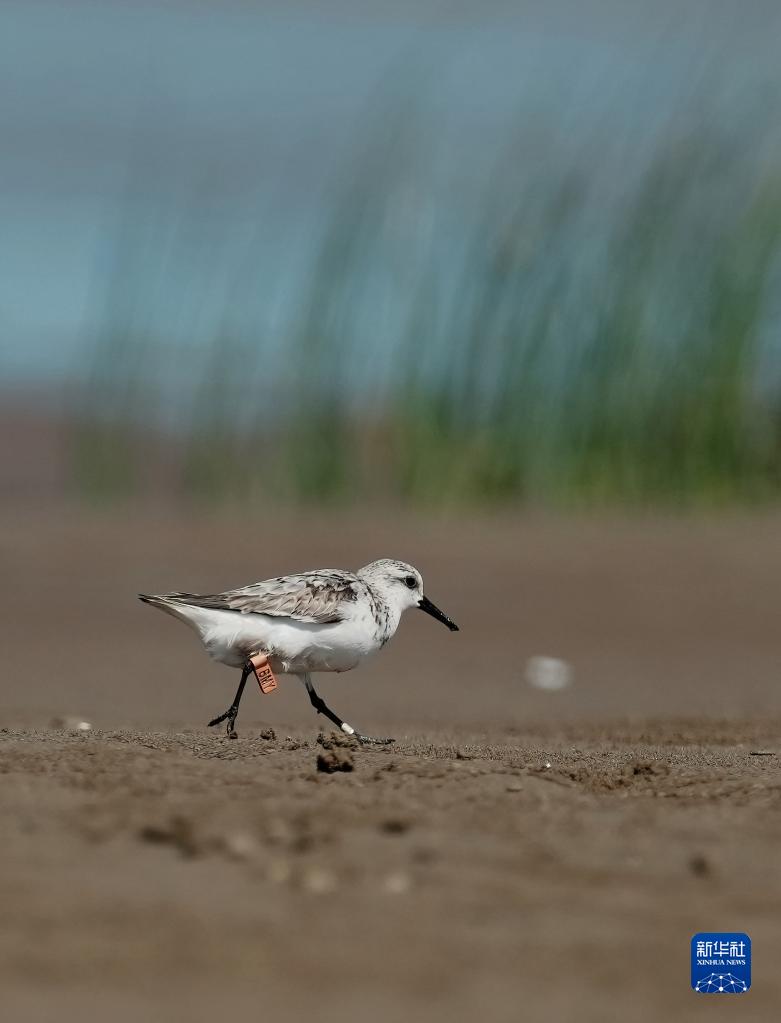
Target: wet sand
column 516, row 854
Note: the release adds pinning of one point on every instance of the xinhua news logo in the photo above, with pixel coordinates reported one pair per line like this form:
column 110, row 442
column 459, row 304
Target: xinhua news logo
column 721, row 963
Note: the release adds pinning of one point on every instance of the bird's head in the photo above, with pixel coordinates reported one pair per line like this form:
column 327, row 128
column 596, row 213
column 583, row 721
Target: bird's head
column 401, row 586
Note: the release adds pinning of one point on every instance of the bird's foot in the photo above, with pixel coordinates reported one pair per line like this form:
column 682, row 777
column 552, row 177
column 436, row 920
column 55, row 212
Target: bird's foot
column 369, row 740
column 230, row 717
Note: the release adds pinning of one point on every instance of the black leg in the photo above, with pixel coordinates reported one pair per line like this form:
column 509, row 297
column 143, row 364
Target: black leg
column 233, row 710
column 322, row 708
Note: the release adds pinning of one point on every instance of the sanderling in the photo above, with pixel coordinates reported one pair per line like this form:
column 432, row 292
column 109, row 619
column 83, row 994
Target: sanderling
column 326, row 620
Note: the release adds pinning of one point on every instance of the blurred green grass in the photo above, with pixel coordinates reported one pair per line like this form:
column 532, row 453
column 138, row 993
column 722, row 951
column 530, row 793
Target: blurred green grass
column 568, row 343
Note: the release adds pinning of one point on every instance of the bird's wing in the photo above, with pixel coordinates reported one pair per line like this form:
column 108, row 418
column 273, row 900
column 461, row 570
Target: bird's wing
column 321, row 597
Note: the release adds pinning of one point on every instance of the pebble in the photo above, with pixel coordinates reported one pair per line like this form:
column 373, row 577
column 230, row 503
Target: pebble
column 71, row 724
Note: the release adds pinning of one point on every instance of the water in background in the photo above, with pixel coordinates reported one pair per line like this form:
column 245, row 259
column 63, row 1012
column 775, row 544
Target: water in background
column 438, row 252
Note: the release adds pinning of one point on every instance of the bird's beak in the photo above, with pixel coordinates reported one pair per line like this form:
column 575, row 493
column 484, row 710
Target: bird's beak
column 431, row 609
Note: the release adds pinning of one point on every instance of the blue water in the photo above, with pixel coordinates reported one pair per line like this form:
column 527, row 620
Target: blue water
column 196, row 150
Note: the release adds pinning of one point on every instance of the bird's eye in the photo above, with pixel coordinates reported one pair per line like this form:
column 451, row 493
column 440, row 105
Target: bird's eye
column 411, row 581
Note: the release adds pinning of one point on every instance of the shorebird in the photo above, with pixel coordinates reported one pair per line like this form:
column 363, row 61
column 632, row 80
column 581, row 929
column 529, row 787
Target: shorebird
column 326, row 620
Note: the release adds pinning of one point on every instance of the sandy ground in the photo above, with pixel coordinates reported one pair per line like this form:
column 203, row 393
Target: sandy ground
column 517, row 854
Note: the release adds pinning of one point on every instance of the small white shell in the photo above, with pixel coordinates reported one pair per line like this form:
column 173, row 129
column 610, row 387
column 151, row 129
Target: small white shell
column 549, row 673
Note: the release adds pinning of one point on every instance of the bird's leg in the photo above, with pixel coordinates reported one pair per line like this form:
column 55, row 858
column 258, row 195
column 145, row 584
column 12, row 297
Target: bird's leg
column 322, row 708
column 233, row 710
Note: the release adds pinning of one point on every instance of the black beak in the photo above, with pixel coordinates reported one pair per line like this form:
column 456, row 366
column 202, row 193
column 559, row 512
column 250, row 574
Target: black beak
column 431, row 609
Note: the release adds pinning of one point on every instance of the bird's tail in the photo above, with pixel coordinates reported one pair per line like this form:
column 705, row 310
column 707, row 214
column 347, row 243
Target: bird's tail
column 167, row 602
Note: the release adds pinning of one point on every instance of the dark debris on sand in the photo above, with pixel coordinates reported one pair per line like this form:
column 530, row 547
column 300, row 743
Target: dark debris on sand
column 330, row 761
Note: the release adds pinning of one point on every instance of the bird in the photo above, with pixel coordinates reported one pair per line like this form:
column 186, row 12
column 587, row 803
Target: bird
column 323, row 620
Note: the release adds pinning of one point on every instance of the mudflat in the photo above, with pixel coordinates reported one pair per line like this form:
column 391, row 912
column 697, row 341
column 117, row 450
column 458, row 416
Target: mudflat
column 517, row 854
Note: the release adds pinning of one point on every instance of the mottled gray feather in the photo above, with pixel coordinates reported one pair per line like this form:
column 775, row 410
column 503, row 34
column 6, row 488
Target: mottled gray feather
column 309, row 597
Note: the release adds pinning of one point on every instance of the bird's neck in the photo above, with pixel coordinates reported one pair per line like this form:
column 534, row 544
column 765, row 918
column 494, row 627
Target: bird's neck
column 386, row 614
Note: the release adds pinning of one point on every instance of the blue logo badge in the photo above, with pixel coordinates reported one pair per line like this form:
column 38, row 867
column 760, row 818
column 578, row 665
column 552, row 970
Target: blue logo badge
column 721, row 963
